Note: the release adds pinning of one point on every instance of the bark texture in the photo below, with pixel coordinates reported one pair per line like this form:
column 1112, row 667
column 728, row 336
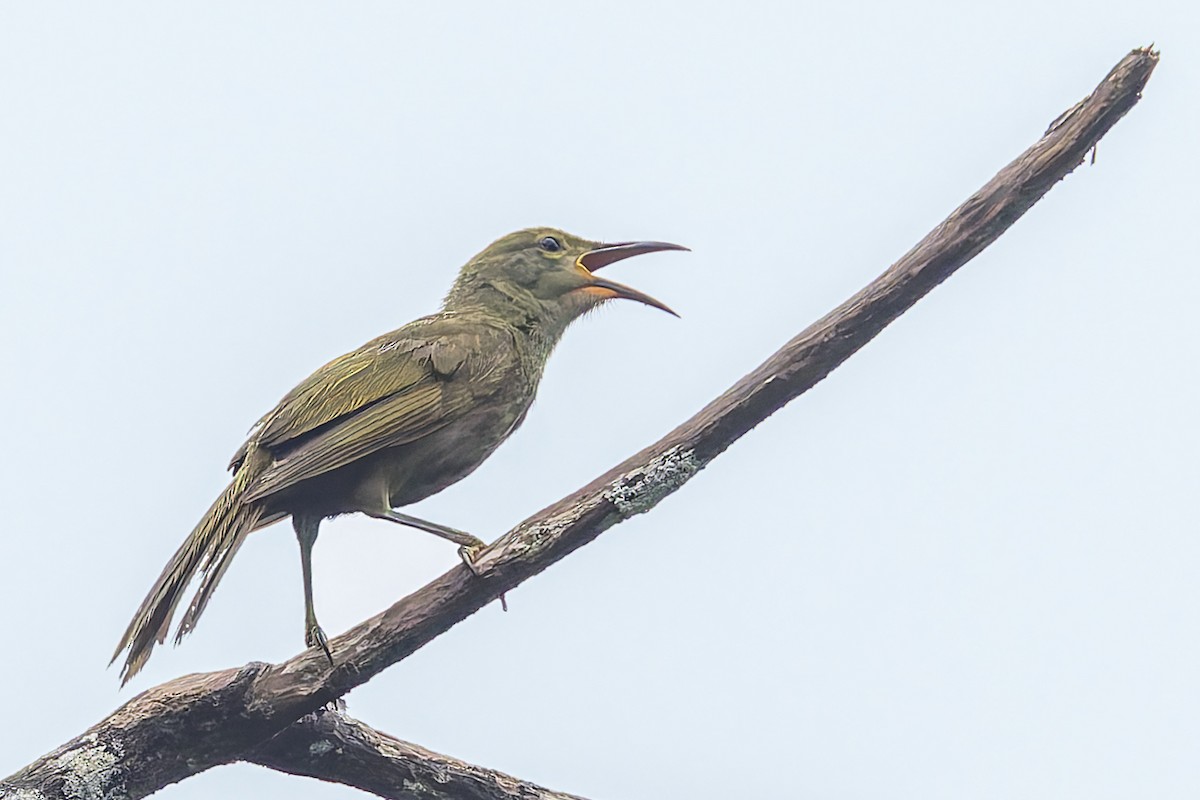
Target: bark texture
column 195, row 722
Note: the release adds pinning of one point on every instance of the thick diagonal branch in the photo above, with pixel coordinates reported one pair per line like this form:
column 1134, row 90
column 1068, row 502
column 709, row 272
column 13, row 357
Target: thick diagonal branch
column 187, row 725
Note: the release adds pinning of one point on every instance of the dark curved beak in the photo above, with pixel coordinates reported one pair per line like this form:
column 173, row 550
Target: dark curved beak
column 607, row 254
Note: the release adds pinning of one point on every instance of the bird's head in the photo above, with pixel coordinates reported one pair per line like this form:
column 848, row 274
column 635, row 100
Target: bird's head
column 547, row 274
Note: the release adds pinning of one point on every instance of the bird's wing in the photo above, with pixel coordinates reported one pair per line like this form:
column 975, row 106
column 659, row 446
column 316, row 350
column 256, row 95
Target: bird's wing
column 388, row 392
column 395, row 420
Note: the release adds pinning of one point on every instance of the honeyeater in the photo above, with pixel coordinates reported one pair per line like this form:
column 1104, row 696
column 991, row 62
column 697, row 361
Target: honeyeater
column 395, row 421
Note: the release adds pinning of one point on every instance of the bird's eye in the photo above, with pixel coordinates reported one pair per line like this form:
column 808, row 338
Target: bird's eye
column 550, row 244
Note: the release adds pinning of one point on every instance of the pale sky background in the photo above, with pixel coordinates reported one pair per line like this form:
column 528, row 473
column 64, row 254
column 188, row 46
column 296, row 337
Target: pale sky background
column 965, row 565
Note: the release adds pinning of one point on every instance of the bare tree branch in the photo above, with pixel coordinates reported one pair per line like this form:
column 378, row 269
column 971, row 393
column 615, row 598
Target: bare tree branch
column 192, row 723
column 333, row 747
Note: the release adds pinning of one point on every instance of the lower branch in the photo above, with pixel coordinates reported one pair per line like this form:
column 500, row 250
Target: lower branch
column 333, row 747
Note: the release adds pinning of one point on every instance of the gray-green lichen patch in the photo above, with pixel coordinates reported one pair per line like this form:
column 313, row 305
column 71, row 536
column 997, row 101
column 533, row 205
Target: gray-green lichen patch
column 320, row 747
column 639, row 491
column 535, row 536
column 90, row 770
column 21, row 794
column 419, row 788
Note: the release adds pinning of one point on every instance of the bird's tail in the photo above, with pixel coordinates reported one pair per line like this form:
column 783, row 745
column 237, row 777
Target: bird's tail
column 208, row 549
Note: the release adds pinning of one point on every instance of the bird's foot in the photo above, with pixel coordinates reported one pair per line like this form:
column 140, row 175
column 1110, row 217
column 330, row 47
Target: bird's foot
column 468, row 553
column 315, row 637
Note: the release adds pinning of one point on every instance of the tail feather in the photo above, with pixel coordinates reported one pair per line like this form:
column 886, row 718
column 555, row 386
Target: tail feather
column 213, row 570
column 208, row 550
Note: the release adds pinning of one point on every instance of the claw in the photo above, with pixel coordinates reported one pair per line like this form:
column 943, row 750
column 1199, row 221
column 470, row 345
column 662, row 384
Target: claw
column 468, row 554
column 315, row 637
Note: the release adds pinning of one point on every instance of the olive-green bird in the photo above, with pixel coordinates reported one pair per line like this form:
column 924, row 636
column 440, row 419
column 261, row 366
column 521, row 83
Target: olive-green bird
column 395, row 421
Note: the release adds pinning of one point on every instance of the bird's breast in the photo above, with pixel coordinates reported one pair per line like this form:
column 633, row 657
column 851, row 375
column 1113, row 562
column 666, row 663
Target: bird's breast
column 417, row 470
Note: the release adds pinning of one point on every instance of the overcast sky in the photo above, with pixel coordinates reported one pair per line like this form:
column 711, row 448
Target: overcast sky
column 965, row 565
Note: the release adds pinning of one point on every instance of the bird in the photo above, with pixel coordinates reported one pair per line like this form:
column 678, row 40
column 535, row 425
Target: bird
column 395, row 421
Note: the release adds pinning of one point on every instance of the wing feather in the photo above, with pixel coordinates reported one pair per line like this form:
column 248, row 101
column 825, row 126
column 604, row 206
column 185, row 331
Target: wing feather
column 343, row 386
column 395, row 420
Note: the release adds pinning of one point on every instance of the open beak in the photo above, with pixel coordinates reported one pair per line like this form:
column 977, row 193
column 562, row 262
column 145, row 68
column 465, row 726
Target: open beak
column 607, row 254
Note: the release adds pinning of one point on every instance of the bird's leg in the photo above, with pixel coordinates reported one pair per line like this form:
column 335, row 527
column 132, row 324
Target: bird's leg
column 306, row 533
column 468, row 545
